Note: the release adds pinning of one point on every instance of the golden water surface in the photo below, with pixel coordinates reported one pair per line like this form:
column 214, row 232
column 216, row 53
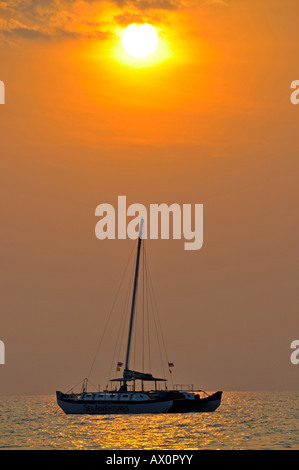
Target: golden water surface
column 245, row 420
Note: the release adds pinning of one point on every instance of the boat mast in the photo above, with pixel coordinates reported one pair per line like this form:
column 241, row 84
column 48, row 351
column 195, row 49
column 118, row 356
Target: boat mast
column 134, row 295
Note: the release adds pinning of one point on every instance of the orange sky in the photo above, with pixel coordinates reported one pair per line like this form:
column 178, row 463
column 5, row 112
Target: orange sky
column 207, row 119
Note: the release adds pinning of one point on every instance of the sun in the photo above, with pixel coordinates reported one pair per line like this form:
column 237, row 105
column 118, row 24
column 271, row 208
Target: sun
column 140, row 40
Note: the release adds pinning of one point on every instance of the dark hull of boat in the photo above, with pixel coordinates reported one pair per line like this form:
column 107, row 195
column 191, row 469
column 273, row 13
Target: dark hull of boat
column 100, row 407
column 201, row 405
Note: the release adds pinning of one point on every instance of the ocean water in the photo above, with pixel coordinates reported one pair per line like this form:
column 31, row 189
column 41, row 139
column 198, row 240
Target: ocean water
column 245, row 420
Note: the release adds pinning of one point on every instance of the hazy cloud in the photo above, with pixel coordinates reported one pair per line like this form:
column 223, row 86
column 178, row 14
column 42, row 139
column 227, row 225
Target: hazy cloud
column 46, row 19
column 26, row 33
column 58, row 19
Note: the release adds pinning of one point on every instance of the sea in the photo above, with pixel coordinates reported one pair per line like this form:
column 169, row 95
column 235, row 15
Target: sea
column 244, row 421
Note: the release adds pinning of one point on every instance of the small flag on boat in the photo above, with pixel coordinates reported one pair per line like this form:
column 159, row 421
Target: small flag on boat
column 119, row 364
column 170, row 364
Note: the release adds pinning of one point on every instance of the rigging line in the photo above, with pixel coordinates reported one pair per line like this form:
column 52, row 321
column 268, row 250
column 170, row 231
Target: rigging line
column 109, row 316
column 147, row 317
column 79, row 383
column 122, row 324
column 125, row 312
column 161, row 333
column 158, row 317
column 140, row 302
column 135, row 330
column 143, row 301
column 120, row 331
column 95, row 387
column 155, row 323
column 136, row 327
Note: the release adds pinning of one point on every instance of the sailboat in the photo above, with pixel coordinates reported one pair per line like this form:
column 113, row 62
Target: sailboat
column 126, row 398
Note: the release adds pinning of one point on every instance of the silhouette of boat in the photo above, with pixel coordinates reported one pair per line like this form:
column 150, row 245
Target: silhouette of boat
column 123, row 400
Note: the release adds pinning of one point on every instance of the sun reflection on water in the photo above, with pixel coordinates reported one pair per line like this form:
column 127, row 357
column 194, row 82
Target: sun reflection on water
column 138, row 432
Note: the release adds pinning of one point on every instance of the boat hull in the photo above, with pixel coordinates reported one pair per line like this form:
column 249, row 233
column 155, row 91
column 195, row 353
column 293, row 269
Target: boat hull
column 201, row 405
column 101, row 407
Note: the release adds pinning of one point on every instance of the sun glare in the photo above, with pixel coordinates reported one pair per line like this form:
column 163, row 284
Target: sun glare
column 140, row 40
